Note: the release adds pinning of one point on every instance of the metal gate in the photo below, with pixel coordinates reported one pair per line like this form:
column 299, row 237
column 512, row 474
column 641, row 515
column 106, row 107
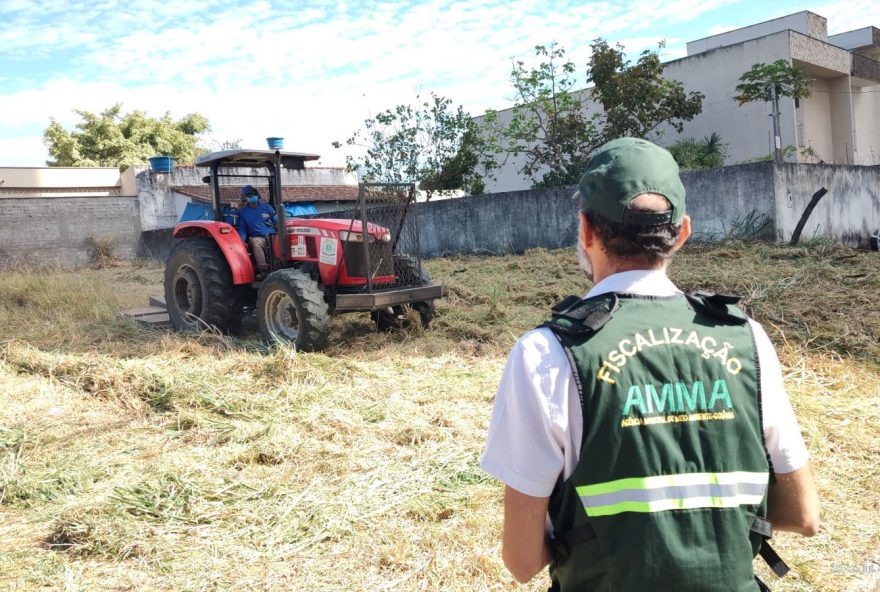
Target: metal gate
column 392, row 207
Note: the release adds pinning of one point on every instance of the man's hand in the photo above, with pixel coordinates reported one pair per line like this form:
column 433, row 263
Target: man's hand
column 793, row 503
column 523, row 544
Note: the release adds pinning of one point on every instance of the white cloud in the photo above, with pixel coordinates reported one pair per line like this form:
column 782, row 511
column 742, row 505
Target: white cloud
column 849, row 14
column 23, row 151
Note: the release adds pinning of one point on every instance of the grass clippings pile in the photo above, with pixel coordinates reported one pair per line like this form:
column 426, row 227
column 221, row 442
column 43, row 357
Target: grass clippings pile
column 134, row 459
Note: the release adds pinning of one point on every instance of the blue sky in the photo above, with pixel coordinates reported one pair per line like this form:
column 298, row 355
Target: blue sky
column 312, row 71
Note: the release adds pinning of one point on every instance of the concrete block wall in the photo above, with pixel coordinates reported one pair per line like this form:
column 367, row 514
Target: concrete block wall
column 63, row 230
column 849, row 212
column 721, row 200
column 499, row 222
column 516, row 221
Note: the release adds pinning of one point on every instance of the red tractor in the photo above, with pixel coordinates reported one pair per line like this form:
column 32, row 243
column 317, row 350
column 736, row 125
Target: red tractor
column 343, row 262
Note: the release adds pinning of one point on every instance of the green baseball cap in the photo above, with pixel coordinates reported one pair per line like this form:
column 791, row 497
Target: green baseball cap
column 624, row 168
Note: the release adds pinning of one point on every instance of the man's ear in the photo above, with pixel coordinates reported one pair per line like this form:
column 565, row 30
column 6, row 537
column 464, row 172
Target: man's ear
column 585, row 231
column 685, row 232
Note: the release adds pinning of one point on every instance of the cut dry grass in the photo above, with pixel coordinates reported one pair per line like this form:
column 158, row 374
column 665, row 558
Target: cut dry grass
column 137, row 459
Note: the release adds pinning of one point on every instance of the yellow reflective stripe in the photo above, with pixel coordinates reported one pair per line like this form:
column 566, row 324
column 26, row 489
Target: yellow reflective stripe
column 675, row 504
column 684, row 479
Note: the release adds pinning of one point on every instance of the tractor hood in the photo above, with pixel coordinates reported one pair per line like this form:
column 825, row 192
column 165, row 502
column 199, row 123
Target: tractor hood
column 336, row 225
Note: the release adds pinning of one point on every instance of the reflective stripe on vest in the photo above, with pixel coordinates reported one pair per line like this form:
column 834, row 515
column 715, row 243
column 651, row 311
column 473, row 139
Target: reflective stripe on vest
column 673, row 492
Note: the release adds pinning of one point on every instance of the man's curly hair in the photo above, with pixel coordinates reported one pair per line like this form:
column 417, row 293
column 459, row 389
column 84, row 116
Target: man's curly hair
column 648, row 245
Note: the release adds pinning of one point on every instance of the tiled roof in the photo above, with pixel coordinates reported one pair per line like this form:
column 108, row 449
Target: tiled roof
column 291, row 193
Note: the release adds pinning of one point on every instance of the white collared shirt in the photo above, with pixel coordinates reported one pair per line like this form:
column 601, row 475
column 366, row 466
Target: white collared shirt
column 536, row 425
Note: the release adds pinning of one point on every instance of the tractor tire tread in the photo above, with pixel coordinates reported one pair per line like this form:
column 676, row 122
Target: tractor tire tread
column 314, row 324
column 220, row 304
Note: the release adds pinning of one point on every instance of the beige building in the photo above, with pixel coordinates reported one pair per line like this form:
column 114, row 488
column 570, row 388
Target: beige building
column 838, row 124
column 65, row 182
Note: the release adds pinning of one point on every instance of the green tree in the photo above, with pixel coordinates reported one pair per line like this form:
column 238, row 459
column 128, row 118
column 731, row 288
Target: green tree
column 635, row 98
column 768, row 82
column 759, row 82
column 430, row 143
column 693, row 155
column 549, row 125
column 555, row 128
column 116, row 140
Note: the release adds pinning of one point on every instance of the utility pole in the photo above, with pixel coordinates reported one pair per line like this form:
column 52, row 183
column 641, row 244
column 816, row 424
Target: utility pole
column 777, row 143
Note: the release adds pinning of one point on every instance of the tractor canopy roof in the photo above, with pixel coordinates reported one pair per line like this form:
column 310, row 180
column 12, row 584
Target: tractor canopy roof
column 253, row 158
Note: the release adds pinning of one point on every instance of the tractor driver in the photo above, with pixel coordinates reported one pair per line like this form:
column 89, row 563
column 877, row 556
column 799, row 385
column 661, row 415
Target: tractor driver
column 256, row 222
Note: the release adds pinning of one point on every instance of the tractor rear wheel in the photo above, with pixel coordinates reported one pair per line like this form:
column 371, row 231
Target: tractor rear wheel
column 198, row 287
column 408, row 273
column 291, row 309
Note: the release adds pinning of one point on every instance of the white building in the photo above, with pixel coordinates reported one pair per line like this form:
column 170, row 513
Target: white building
column 838, row 124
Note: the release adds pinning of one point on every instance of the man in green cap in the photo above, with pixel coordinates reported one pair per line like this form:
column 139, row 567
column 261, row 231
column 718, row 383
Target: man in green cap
column 644, row 436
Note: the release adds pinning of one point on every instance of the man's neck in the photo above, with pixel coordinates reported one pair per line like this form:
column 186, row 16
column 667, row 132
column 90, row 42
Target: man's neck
column 609, row 267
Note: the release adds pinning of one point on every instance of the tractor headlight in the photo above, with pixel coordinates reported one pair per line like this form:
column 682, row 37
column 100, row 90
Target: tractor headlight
column 351, row 237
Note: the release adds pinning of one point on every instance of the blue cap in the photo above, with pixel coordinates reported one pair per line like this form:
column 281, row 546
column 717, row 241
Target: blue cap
column 248, row 190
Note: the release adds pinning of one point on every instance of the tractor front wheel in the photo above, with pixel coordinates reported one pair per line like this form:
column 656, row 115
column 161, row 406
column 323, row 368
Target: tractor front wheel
column 198, row 287
column 291, row 309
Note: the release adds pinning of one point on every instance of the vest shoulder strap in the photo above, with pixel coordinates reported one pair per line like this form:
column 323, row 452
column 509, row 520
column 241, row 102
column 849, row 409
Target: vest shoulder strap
column 575, row 316
column 720, row 306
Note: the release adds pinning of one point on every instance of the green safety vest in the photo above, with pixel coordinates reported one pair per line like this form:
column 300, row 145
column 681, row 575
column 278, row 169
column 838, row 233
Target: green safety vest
column 673, row 469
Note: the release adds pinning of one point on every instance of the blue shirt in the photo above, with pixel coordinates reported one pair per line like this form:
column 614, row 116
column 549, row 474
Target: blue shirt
column 256, row 221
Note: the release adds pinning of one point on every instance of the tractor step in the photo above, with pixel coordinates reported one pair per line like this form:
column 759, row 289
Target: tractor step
column 153, row 315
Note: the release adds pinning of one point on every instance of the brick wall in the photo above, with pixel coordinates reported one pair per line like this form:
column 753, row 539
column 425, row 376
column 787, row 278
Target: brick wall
column 63, row 230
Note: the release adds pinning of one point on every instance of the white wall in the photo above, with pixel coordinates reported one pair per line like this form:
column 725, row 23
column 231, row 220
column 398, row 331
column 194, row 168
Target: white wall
column 849, row 212
column 747, row 128
column 853, row 39
column 841, row 119
column 815, row 113
column 803, row 22
column 507, row 177
column 61, row 180
column 866, row 115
